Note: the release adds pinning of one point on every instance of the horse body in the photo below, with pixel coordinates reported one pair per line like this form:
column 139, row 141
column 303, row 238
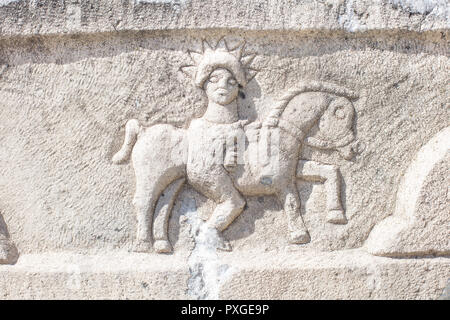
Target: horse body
column 160, row 155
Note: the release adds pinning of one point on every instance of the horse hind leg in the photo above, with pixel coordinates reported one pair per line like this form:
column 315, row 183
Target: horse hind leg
column 148, row 191
column 143, row 202
column 298, row 233
column 162, row 214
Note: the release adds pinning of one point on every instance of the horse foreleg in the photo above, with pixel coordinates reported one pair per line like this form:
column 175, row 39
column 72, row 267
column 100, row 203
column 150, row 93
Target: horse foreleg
column 298, row 233
column 330, row 176
column 162, row 215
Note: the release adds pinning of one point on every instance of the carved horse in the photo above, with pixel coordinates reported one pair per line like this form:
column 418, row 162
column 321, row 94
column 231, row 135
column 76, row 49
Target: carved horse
column 159, row 155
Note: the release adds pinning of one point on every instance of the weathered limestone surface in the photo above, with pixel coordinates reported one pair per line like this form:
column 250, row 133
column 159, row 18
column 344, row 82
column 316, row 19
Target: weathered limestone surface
column 111, row 110
column 351, row 274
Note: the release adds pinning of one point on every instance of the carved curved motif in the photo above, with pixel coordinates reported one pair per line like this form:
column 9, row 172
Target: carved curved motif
column 411, row 230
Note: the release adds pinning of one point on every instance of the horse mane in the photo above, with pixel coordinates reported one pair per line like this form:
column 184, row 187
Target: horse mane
column 310, row 86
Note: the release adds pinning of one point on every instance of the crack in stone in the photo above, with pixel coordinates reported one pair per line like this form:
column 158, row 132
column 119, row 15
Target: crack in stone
column 207, row 272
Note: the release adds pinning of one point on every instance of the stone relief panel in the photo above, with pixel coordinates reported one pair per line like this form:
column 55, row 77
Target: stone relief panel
column 65, row 106
column 226, row 158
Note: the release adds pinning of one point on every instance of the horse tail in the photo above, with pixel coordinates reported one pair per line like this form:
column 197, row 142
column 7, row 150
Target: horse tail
column 131, row 133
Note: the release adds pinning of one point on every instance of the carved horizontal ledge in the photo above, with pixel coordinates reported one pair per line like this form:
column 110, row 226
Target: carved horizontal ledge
column 348, row 274
column 44, row 17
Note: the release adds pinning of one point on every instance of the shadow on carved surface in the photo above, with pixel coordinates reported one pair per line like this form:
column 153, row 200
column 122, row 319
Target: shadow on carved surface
column 226, row 158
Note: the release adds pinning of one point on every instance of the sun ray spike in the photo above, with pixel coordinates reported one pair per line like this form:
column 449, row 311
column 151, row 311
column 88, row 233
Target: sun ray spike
column 238, row 50
column 251, row 73
column 222, row 44
column 206, row 45
column 190, row 71
column 195, row 57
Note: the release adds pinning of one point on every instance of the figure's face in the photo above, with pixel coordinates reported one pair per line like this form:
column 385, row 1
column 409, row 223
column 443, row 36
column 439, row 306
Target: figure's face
column 221, row 87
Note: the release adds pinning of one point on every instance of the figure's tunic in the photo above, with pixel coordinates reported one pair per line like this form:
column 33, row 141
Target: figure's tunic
column 212, row 149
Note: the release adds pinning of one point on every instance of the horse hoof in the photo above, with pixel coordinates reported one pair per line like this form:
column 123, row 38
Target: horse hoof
column 299, row 237
column 162, row 246
column 8, row 252
column 142, row 246
column 336, row 217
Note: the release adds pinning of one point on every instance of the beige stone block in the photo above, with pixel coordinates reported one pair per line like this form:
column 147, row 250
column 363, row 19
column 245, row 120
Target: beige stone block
column 175, row 149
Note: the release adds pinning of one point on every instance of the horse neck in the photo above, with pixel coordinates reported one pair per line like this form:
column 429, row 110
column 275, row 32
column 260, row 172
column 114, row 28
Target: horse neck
column 302, row 112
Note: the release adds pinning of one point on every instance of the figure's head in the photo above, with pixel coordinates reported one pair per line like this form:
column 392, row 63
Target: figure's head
column 220, row 70
column 221, row 87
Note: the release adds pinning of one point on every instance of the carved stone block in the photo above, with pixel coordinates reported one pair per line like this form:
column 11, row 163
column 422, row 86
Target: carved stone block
column 234, row 150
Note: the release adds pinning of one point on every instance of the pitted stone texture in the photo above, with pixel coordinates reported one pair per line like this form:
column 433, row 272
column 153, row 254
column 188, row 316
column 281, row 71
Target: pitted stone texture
column 26, row 17
column 421, row 222
column 118, row 275
column 349, row 274
column 65, row 102
column 296, row 274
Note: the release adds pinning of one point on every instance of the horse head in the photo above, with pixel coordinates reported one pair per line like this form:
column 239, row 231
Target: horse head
column 326, row 105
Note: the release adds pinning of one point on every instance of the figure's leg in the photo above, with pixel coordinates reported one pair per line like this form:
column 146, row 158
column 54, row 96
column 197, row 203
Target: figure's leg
column 162, row 215
column 229, row 202
column 298, row 233
column 330, row 176
column 227, row 210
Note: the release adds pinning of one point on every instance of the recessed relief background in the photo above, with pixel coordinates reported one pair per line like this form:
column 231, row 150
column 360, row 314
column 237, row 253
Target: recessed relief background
column 66, row 102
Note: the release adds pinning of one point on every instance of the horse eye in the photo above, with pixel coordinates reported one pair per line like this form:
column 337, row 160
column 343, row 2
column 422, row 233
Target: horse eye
column 213, row 79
